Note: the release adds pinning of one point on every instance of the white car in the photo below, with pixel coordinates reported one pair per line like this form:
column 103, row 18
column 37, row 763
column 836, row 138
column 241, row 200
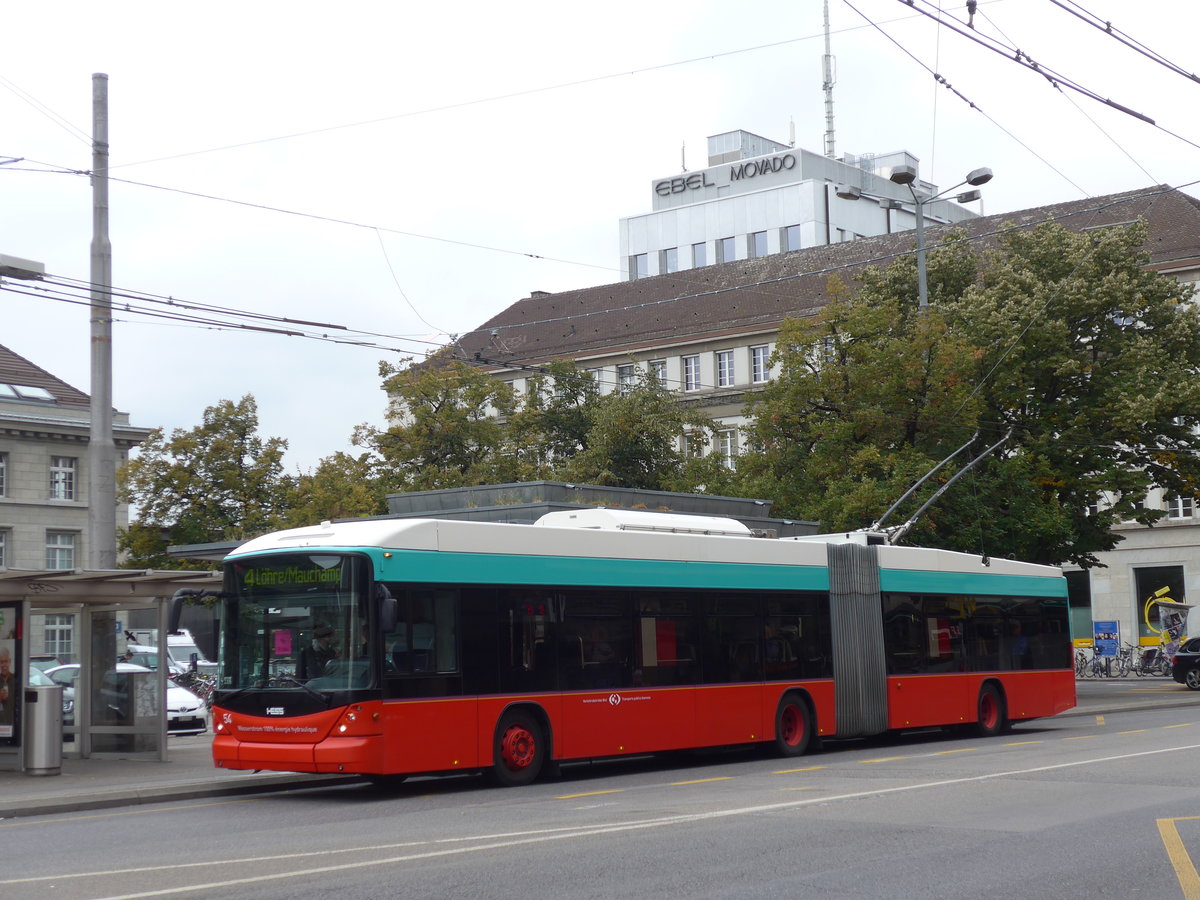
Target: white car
column 186, row 713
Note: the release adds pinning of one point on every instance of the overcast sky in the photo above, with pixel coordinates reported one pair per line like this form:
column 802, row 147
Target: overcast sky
column 408, row 170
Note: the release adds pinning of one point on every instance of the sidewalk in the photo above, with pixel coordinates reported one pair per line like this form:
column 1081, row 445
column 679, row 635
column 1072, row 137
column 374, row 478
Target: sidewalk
column 189, row 772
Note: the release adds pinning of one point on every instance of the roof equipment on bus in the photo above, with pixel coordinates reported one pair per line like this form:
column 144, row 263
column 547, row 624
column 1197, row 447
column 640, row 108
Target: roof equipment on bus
column 603, row 518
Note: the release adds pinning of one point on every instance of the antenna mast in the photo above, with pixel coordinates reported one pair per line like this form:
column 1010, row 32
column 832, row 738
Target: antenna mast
column 828, row 71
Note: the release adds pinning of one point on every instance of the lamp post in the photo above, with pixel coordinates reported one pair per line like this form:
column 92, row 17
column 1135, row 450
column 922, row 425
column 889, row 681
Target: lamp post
column 906, row 175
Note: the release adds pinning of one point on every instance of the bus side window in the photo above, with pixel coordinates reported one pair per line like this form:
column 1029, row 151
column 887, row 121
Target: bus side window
column 426, row 635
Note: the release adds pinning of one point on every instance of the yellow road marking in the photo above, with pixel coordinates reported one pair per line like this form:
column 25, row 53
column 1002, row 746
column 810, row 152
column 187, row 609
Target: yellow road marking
column 1099, row 720
column 590, row 794
column 948, row 752
column 1180, row 725
column 793, row 771
column 702, row 780
column 1138, row 731
column 1020, row 743
column 1185, row 871
column 863, row 762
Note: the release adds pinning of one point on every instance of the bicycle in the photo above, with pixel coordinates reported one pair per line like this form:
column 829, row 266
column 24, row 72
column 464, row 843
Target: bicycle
column 1151, row 661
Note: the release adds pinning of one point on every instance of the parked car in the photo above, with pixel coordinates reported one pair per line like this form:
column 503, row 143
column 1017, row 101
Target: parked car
column 186, row 713
column 44, row 661
column 142, row 655
column 1186, row 669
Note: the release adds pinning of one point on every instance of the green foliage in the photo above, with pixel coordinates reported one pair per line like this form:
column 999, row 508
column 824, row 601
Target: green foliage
column 341, row 487
column 218, row 481
column 452, row 433
column 633, row 440
column 1066, row 339
column 554, row 420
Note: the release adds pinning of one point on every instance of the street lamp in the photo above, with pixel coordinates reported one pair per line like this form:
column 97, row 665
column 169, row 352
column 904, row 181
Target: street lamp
column 906, row 175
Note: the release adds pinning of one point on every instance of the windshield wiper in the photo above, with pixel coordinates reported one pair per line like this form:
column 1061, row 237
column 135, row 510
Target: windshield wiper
column 325, row 698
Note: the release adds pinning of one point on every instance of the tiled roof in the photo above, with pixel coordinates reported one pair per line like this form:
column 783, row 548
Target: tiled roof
column 758, row 294
column 16, row 369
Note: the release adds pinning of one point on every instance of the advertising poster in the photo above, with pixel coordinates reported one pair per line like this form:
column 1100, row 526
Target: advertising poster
column 10, row 690
column 1107, row 638
column 1173, row 623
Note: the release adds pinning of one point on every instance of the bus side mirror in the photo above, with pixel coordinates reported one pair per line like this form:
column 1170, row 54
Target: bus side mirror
column 387, row 614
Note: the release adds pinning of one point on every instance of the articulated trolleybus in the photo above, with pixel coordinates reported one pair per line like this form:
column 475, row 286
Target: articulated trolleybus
column 394, row 647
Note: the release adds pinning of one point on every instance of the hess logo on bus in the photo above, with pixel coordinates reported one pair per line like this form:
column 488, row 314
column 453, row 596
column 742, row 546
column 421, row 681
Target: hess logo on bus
column 274, row 710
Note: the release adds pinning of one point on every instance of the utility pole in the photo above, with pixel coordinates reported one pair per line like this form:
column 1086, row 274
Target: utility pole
column 102, row 454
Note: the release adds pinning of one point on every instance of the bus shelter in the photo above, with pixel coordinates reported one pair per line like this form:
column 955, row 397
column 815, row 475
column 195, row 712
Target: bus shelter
column 110, row 710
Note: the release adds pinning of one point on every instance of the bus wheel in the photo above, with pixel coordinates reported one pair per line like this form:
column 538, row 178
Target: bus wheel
column 992, row 718
column 519, row 751
column 793, row 726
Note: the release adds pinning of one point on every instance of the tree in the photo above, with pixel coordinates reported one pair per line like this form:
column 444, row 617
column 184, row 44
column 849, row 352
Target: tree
column 452, row 432
column 633, row 437
column 555, row 419
column 1064, row 341
column 341, row 487
column 218, row 481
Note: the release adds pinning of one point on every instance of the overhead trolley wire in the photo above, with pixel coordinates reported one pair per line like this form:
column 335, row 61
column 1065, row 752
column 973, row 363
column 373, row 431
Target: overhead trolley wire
column 940, row 79
column 1123, row 38
column 1023, row 59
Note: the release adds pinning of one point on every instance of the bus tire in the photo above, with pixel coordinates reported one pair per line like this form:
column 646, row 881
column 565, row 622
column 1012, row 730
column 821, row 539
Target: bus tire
column 992, row 716
column 519, row 749
column 793, row 726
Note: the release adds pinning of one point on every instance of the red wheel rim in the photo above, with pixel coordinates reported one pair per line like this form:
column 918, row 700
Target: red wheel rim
column 791, row 726
column 989, row 711
column 518, row 748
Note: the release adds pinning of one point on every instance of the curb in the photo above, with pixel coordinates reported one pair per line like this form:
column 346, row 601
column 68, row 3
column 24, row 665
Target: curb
column 46, row 805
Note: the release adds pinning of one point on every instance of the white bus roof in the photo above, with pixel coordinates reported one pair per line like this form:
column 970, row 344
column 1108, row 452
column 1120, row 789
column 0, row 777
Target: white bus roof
column 616, row 534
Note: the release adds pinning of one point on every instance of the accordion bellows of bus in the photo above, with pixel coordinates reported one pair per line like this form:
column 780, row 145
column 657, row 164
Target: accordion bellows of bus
column 391, row 647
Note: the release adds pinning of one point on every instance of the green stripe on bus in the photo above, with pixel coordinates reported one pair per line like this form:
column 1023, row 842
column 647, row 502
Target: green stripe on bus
column 500, row 568
column 907, row 581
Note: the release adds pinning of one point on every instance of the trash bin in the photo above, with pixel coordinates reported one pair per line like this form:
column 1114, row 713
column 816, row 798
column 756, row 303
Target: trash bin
column 43, row 729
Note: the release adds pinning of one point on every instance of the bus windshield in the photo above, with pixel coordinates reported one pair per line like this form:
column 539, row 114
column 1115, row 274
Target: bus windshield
column 296, row 620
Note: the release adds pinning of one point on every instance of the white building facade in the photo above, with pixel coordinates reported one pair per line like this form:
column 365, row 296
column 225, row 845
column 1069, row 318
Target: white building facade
column 759, row 197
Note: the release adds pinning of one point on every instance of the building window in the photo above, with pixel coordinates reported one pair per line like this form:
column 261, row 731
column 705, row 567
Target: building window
column 726, row 250
column 637, row 267
column 727, row 446
column 658, row 370
column 699, row 255
column 62, row 478
column 760, row 369
column 57, row 636
column 670, row 260
column 626, row 378
column 691, row 373
column 758, row 244
column 725, row 368
column 1179, row 507
column 3, row 548
column 791, row 238
column 693, row 444
column 3, row 474
column 60, row 550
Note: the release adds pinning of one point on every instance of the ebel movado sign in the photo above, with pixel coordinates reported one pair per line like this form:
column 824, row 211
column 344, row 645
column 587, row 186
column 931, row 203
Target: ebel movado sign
column 739, row 171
